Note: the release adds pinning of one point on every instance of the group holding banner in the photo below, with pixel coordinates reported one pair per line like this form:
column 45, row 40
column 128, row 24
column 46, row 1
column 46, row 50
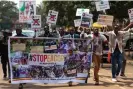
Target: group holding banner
column 53, row 60
column 49, row 65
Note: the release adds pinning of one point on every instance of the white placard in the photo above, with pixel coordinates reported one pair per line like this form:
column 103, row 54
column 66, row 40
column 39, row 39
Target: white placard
column 77, row 22
column 36, row 21
column 102, row 5
column 105, row 20
column 80, row 11
column 130, row 13
column 52, row 17
column 26, row 10
column 86, row 20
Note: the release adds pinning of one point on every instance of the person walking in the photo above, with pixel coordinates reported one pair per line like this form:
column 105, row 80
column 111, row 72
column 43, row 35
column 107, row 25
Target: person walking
column 116, row 49
column 4, row 54
column 97, row 40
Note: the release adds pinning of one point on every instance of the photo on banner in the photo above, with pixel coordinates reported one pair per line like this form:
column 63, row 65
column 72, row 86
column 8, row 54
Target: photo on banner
column 86, row 20
column 26, row 10
column 130, row 13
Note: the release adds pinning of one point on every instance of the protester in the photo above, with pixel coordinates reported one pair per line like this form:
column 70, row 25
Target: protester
column 4, row 54
column 115, row 47
column 123, row 62
column 19, row 33
column 97, row 40
column 71, row 34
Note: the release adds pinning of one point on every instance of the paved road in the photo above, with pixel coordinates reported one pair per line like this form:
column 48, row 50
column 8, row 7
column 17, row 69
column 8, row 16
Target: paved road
column 105, row 82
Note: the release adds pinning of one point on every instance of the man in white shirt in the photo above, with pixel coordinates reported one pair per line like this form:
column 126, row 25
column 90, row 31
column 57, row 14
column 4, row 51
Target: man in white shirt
column 116, row 48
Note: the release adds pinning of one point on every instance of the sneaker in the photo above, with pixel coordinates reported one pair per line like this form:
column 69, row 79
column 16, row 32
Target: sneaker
column 114, row 79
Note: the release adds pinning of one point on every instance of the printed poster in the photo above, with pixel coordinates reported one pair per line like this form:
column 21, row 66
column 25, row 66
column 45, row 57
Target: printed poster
column 130, row 13
column 86, row 20
column 52, row 17
column 37, row 49
column 77, row 22
column 80, row 11
column 19, row 47
column 105, row 20
column 36, row 21
column 49, row 66
column 102, row 5
column 27, row 9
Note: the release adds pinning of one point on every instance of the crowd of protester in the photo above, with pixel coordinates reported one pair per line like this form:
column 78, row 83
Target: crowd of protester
column 114, row 33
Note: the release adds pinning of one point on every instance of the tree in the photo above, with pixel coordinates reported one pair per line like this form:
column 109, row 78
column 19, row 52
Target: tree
column 67, row 10
column 8, row 13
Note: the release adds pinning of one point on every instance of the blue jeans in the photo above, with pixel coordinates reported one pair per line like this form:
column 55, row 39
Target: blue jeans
column 116, row 58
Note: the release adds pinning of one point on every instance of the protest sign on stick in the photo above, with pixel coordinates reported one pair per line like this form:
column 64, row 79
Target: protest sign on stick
column 26, row 10
column 86, row 20
column 52, row 17
column 80, row 11
column 77, row 22
column 105, row 20
column 36, row 22
column 102, row 5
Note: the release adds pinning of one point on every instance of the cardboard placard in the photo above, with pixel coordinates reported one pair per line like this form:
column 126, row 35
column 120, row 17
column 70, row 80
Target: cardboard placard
column 105, row 20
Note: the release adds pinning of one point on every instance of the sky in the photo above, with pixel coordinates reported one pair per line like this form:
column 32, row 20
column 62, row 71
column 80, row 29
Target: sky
column 17, row 1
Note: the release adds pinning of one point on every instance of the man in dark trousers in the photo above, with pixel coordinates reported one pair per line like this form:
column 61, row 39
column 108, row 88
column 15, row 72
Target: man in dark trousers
column 4, row 53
